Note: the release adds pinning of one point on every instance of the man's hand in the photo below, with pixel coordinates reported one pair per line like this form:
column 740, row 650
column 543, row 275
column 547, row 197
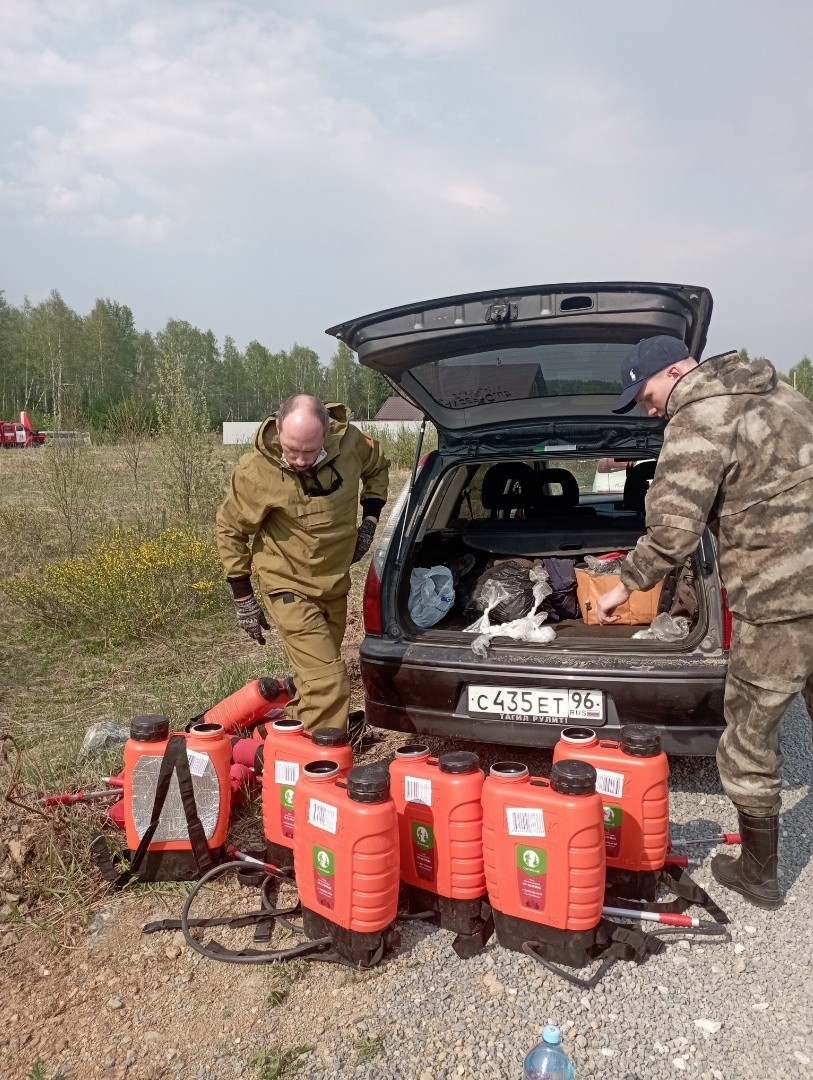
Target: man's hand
column 607, row 604
column 251, row 618
column 364, row 538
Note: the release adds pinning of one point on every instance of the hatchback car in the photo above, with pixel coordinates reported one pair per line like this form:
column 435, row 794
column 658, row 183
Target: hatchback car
column 520, row 385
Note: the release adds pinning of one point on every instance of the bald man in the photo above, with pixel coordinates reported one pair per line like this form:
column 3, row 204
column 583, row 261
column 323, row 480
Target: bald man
column 291, row 515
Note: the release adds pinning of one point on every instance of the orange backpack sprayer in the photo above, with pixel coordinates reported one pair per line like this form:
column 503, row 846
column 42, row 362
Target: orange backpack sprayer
column 543, row 843
column 346, row 859
column 287, row 749
column 177, row 798
column 633, row 782
column 440, row 823
column 248, row 706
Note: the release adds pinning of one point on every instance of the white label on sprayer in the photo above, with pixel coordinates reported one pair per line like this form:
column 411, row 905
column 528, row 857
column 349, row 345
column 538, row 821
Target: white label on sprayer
column 286, row 772
column 418, row 790
column 197, row 762
column 609, row 783
column 323, row 816
column 525, row 822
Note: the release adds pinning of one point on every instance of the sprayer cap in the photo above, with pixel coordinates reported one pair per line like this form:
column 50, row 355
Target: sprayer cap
column 368, row 783
column 149, row 728
column 412, row 750
column 269, row 688
column 459, row 761
column 331, row 737
column 640, row 741
column 552, row 1035
column 573, row 778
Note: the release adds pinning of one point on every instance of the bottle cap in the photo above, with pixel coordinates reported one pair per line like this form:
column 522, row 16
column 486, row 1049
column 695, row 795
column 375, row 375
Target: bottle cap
column 368, row 783
column 459, row 761
column 573, row 778
column 149, row 728
column 508, row 770
column 552, row 1035
column 412, row 750
column 330, row 737
column 269, row 688
column 640, row 741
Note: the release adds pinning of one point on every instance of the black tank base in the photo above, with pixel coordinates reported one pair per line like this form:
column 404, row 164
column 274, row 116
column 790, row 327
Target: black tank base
column 470, row 920
column 353, row 948
column 279, row 855
column 632, row 884
column 174, row 865
column 573, row 948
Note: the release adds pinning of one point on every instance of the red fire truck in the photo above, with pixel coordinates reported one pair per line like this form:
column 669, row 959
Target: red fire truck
column 20, row 434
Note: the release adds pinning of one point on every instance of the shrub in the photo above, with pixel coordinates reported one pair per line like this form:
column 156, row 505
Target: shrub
column 130, row 586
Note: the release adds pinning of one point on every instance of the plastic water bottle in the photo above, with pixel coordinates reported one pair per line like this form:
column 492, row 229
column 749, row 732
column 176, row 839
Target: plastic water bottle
column 547, row 1060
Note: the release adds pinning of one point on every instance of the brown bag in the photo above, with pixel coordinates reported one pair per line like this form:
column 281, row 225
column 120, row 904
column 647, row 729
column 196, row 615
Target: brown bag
column 639, row 610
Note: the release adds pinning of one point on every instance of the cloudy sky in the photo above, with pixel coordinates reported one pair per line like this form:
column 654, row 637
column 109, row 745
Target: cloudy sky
column 265, row 169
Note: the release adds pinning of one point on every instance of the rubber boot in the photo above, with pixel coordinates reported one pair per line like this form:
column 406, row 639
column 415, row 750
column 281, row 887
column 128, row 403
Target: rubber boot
column 754, row 873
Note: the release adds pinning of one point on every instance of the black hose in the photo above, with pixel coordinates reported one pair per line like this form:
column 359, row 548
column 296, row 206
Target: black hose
column 215, row 951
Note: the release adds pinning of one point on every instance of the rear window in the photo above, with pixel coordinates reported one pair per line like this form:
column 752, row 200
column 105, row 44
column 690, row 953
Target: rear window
column 519, row 373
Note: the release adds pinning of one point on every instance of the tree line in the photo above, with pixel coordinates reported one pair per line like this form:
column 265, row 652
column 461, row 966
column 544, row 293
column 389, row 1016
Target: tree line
column 82, row 371
column 77, row 371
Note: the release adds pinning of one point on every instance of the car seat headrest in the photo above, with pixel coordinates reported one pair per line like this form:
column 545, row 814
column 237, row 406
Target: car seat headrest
column 508, row 485
column 548, row 478
column 636, row 486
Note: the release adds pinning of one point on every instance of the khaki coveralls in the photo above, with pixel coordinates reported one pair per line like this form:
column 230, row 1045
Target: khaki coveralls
column 298, row 532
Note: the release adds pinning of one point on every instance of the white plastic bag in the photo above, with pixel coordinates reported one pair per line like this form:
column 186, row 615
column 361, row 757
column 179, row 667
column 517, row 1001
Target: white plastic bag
column 528, row 628
column 431, row 594
column 665, row 628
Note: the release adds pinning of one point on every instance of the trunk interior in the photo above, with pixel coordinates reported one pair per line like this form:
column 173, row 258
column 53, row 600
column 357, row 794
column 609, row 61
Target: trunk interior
column 555, row 514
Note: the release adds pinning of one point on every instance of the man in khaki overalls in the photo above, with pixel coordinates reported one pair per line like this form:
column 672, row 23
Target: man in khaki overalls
column 291, row 514
column 737, row 455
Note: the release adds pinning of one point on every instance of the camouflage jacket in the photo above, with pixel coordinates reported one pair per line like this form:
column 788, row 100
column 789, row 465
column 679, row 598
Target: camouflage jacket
column 738, row 456
column 298, row 530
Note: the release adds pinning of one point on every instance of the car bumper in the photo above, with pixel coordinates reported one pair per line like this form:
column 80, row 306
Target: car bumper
column 684, row 702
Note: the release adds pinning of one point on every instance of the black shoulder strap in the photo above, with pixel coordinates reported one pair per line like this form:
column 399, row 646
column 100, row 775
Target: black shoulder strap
column 174, row 761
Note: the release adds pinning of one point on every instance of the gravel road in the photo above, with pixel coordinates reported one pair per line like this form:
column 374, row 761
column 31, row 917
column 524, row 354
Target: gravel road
column 126, row 1005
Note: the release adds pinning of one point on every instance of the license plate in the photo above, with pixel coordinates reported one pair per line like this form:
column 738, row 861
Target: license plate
column 536, row 705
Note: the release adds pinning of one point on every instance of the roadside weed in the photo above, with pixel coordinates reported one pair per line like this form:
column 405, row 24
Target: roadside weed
column 279, row 1062
column 38, row 1070
column 368, row 1048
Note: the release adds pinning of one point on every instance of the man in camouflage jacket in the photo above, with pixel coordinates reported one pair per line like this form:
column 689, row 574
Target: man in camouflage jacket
column 738, row 456
column 291, row 515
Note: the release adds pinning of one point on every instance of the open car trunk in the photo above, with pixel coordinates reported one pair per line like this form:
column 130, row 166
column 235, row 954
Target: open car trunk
column 550, row 515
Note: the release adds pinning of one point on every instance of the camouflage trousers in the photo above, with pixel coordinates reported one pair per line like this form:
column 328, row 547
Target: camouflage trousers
column 769, row 664
column 311, row 633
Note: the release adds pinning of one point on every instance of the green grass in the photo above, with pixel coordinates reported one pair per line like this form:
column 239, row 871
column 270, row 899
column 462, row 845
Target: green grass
column 58, row 682
column 279, row 1062
column 368, row 1048
column 38, row 1070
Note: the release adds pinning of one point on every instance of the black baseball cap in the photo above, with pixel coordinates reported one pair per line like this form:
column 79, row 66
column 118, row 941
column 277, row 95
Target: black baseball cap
column 649, row 356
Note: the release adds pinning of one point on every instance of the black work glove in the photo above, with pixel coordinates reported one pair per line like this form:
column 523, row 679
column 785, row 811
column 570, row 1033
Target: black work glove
column 364, row 538
column 251, row 618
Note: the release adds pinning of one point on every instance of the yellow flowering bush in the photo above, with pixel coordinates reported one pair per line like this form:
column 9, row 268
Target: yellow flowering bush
column 129, row 586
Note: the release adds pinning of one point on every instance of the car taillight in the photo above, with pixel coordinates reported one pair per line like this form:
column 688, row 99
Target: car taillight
column 726, row 618
column 372, row 601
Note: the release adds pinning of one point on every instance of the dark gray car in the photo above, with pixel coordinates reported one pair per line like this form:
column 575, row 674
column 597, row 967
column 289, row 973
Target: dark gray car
column 520, row 385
